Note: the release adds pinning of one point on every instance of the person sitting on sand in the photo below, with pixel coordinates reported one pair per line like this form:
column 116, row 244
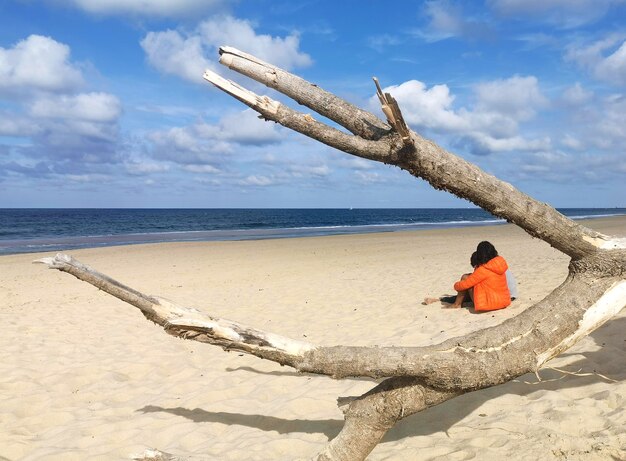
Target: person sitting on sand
column 487, row 286
column 511, row 282
column 450, row 301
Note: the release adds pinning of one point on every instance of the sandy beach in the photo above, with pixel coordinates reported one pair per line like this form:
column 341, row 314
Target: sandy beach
column 84, row 376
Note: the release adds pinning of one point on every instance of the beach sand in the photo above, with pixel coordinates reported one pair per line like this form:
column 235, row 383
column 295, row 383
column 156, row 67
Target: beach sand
column 84, row 376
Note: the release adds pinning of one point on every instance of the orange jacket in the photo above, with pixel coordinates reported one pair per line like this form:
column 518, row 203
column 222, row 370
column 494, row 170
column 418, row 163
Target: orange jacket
column 490, row 289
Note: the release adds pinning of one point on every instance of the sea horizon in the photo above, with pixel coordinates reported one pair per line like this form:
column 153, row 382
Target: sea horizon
column 33, row 230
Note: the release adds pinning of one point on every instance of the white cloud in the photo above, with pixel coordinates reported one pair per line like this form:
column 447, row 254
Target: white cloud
column 145, row 167
column 240, row 150
column 244, row 127
column 605, row 59
column 38, row 63
column 516, row 97
column 613, row 67
column 183, row 53
column 92, row 107
column 447, row 20
column 589, row 135
column 282, row 52
column 65, row 128
column 595, row 122
column 367, row 177
column 299, row 171
column 76, row 120
column 213, row 182
column 17, row 125
column 576, row 95
column 571, row 142
column 588, row 55
column 538, row 40
column 563, row 167
column 492, row 125
column 563, row 13
column 427, row 108
column 381, row 42
column 171, row 53
column 610, row 122
column 354, row 163
column 170, row 111
column 88, row 178
column 201, row 169
column 484, row 144
column 148, row 7
column 258, row 180
column 184, row 145
column 76, row 132
column 204, row 143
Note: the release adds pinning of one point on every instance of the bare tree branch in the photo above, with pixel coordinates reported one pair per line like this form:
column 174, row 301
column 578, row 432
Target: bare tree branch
column 357, row 121
column 421, row 158
column 369, row 417
column 186, row 322
column 418, row 377
column 485, row 358
column 297, row 121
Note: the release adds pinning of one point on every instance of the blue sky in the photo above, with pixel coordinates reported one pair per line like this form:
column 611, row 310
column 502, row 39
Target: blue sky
column 102, row 103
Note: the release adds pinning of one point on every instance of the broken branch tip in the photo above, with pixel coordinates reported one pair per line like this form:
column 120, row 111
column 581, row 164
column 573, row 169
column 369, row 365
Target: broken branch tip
column 55, row 261
column 46, row 261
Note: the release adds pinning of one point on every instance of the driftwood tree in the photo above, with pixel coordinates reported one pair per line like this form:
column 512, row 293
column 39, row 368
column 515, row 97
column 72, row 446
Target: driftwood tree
column 417, row 377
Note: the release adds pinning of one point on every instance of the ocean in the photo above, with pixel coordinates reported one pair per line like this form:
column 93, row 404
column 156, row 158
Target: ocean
column 35, row 230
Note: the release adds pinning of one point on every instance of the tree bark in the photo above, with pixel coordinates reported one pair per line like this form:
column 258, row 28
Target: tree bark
column 356, row 120
column 484, row 358
column 417, row 377
column 422, row 158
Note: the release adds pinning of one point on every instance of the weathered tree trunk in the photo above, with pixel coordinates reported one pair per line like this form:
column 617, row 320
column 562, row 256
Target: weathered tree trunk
column 418, row 377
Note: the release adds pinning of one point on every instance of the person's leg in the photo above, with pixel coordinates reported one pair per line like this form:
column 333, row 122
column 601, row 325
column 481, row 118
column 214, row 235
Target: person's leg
column 460, row 297
column 449, row 299
column 458, row 302
column 452, row 301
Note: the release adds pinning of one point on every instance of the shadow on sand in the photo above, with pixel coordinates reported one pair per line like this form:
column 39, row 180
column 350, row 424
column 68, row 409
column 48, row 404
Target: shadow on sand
column 329, row 427
column 445, row 415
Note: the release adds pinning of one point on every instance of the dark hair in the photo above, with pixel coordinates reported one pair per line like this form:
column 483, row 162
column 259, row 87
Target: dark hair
column 474, row 259
column 485, row 252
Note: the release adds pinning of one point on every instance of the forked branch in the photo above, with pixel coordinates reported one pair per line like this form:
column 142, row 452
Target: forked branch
column 418, row 377
column 392, row 111
column 424, row 376
column 354, row 119
column 484, row 358
column 298, row 121
column 418, row 156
